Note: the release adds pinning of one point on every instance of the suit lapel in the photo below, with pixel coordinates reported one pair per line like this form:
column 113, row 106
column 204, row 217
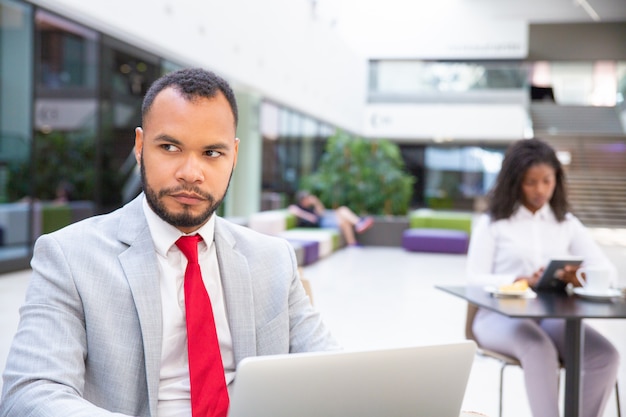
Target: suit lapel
column 142, row 272
column 140, row 266
column 237, row 284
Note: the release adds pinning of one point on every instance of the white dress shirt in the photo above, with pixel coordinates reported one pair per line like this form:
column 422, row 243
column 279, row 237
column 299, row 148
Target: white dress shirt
column 174, row 391
column 503, row 250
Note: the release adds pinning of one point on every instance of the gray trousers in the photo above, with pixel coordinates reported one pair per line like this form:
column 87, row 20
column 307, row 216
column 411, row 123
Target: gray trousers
column 538, row 345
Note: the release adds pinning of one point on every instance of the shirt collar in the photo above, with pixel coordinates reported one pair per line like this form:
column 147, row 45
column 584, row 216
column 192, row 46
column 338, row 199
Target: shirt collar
column 164, row 235
column 544, row 213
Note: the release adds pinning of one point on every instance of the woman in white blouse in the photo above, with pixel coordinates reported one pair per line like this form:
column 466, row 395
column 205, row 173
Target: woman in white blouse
column 527, row 224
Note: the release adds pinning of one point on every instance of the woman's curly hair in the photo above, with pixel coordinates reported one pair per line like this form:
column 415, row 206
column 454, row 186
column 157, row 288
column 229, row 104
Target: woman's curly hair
column 507, row 191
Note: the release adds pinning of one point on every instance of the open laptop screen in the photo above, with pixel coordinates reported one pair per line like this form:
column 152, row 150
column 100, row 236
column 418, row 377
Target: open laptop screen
column 409, row 381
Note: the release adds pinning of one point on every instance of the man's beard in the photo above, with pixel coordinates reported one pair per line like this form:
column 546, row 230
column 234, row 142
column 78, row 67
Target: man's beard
column 184, row 219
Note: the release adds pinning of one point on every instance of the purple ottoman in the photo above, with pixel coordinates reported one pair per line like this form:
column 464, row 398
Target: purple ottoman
column 435, row 240
column 311, row 250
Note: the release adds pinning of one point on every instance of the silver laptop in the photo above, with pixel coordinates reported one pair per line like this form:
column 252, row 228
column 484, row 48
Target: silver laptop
column 418, row 381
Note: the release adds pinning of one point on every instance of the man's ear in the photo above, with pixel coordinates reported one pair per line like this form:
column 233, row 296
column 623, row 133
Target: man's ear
column 138, row 144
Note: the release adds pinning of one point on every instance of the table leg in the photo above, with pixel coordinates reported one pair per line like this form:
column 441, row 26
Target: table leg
column 574, row 341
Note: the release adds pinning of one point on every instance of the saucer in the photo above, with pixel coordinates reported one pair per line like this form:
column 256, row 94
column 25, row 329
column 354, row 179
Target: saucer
column 597, row 295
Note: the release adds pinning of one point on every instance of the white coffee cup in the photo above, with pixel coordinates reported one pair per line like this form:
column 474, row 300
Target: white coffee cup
column 596, row 279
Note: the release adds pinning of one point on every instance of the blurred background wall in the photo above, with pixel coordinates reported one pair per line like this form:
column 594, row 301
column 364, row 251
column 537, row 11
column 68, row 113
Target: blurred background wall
column 451, row 83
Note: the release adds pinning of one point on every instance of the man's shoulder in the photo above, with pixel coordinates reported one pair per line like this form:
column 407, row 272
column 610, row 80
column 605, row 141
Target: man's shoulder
column 239, row 231
column 99, row 226
column 241, row 235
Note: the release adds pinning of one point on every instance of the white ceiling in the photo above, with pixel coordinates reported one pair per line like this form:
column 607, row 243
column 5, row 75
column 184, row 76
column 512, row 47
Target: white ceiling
column 362, row 21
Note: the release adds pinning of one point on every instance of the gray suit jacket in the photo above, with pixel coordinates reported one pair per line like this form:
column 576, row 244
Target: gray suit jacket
column 89, row 338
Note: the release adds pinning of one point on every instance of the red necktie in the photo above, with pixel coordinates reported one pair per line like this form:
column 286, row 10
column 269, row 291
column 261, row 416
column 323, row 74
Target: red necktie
column 209, row 396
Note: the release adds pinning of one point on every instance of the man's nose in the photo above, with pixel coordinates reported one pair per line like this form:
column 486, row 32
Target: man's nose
column 190, row 170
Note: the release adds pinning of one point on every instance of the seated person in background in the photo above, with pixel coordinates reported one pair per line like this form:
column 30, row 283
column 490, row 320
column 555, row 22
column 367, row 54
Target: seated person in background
column 64, row 192
column 311, row 213
column 527, row 224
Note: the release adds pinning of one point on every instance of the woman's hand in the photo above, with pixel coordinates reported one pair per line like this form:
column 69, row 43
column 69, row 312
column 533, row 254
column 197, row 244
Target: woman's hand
column 533, row 279
column 568, row 275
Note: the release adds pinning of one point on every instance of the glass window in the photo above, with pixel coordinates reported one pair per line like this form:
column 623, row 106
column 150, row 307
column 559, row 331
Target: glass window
column 458, row 175
column 621, row 83
column 127, row 73
column 169, row 66
column 293, row 144
column 16, row 71
column 269, row 120
column 67, row 55
column 66, row 117
column 415, row 77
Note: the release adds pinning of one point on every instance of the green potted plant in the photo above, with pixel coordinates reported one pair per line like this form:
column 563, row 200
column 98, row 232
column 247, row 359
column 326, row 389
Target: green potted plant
column 366, row 175
column 57, row 158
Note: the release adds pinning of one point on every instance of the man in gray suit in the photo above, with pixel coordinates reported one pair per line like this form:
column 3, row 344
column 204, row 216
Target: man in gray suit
column 102, row 331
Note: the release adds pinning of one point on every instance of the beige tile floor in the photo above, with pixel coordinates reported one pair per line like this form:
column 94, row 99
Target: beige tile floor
column 375, row 297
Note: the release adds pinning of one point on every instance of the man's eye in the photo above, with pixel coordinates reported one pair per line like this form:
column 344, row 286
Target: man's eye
column 213, row 154
column 169, row 147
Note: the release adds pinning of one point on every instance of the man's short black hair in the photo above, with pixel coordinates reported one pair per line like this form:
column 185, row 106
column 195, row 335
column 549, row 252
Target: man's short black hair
column 191, row 83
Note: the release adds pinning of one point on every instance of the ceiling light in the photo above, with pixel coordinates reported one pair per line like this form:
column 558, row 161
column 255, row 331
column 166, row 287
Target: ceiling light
column 585, row 5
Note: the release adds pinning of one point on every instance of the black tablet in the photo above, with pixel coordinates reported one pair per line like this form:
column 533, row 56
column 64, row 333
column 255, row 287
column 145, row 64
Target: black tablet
column 549, row 281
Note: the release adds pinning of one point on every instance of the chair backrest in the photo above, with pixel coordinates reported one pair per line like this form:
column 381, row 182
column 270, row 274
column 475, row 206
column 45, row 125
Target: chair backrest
column 472, row 309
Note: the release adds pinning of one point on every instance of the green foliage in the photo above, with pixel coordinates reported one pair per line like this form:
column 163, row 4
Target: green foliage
column 57, row 158
column 367, row 176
